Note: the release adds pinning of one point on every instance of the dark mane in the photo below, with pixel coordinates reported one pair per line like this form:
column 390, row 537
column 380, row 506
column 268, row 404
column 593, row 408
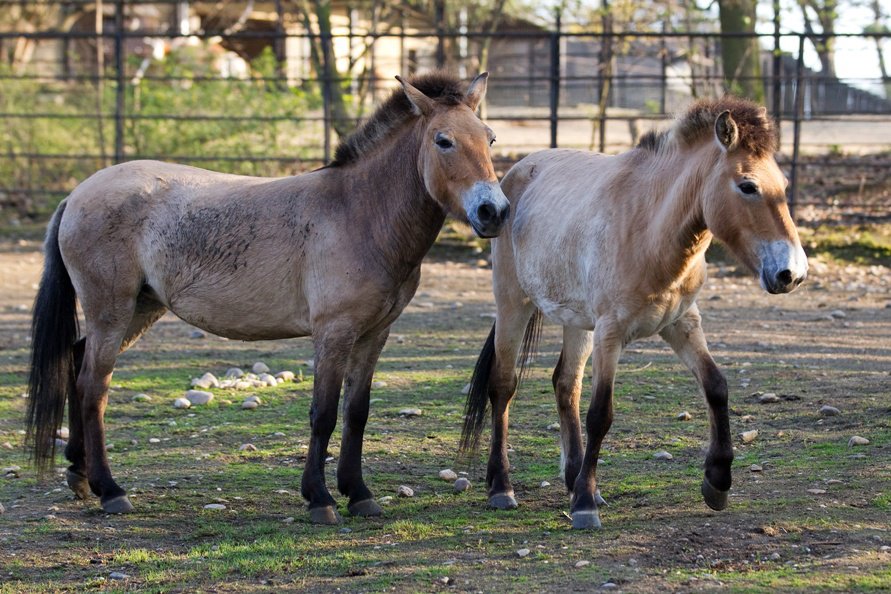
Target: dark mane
column 757, row 134
column 443, row 87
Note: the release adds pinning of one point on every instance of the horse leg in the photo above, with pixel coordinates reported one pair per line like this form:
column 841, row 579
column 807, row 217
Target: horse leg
column 509, row 330
column 332, row 350
column 147, row 312
column 584, row 500
column 357, row 390
column 686, row 338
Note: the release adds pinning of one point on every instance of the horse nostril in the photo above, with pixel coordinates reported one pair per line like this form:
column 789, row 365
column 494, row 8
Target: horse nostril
column 784, row 277
column 486, row 213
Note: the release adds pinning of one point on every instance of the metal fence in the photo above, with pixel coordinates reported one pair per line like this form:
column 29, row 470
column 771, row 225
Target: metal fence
column 89, row 98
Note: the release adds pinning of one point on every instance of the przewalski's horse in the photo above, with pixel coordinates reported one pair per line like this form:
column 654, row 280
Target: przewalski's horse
column 613, row 249
column 335, row 254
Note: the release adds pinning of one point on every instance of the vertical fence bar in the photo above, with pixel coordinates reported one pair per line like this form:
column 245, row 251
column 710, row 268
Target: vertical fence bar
column 555, row 80
column 777, row 69
column 440, row 33
column 119, row 76
column 796, row 134
column 326, row 95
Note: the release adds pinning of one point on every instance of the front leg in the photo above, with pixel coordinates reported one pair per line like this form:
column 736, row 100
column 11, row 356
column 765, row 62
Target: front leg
column 686, row 338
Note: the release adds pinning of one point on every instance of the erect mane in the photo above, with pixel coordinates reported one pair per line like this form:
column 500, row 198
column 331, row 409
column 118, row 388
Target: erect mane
column 757, row 134
column 442, row 87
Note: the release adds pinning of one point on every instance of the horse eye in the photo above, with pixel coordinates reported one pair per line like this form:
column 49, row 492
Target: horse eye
column 491, row 142
column 443, row 142
column 748, row 188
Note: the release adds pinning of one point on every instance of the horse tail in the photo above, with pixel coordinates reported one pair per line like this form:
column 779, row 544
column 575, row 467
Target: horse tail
column 54, row 330
column 478, row 397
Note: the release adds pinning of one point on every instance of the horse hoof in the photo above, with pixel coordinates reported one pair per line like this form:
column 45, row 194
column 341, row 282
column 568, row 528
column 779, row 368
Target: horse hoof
column 715, row 499
column 79, row 484
column 365, row 508
column 118, row 505
column 586, row 519
column 502, row 501
column 325, row 515
column 598, row 499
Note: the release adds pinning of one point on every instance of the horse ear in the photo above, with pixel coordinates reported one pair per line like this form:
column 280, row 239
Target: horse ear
column 421, row 104
column 726, row 131
column 476, row 91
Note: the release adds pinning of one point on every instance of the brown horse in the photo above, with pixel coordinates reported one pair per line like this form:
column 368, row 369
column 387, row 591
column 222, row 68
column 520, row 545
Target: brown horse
column 613, row 249
column 334, row 254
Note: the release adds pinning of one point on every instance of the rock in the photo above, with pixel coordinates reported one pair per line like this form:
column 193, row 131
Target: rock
column 838, row 314
column 243, row 385
column 61, row 443
column 234, row 373
column 774, row 557
column 63, row 433
column 404, row 491
column 857, row 440
column 756, row 468
column 544, row 484
column 268, row 379
column 378, row 385
column 250, row 404
column 260, row 367
column 768, row 398
column 829, row 411
column 554, row 427
column 309, row 364
column 198, row 397
column 466, row 389
column 582, row 563
column 287, row 376
column 288, row 520
column 154, row 440
column 385, row 500
column 663, row 455
column 142, row 398
column 11, row 471
column 7, row 446
column 215, row 506
column 523, row 553
column 2, row 509
column 749, row 436
column 208, row 380
column 197, row 334
column 448, row 475
column 411, row 412
column 461, row 485
column 608, row 586
column 345, row 530
column 181, row 403
column 117, row 575
column 247, row 447
column 684, row 416
column 109, row 447
column 816, row 491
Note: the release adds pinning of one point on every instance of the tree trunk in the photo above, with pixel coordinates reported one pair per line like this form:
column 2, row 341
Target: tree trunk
column 740, row 55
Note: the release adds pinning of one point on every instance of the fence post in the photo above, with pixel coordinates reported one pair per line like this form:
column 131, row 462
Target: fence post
column 555, row 80
column 119, row 72
column 326, row 95
column 796, row 134
column 777, row 68
column 440, row 33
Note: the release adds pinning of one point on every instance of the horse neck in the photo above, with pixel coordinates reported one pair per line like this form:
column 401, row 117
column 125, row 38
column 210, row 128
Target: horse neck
column 678, row 234
column 404, row 219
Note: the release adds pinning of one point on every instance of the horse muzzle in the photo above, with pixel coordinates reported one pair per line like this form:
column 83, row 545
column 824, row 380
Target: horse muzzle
column 487, row 208
column 783, row 266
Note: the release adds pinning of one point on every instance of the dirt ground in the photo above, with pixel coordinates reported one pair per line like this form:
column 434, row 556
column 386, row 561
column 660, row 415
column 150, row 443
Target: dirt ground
column 815, row 516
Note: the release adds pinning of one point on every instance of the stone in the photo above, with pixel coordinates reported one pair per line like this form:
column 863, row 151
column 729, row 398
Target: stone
column 215, row 506
column 385, row 500
column 663, row 455
column 856, row 440
column 448, row 475
column 198, row 334
column 684, row 416
column 544, row 484
column 466, row 389
column 2, row 509
column 142, row 398
column 756, row 468
column 117, row 575
column 260, row 367
column 154, row 440
column 268, row 379
column 554, row 427
column 523, row 553
column 198, row 397
column 250, row 404
column 749, row 436
column 608, row 586
column 287, row 376
column 768, row 398
column 206, row 381
column 582, row 563
column 247, row 447
column 378, row 385
column 243, row 385
column 461, row 485
column 774, row 557
column 234, row 373
column 829, row 411
column 838, row 314
column 404, row 491
column 11, row 471
column 288, row 520
column 411, row 412
column 816, row 491
column 63, row 433
column 181, row 403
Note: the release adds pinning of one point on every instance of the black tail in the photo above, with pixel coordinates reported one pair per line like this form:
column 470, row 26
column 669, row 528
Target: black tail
column 478, row 398
column 54, row 331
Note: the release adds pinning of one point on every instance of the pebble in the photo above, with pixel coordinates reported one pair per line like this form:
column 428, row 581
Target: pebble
column 385, row 500
column 608, row 586
column 448, row 475
column 838, row 314
column 749, row 436
column 2, row 509
column 247, row 447
column 198, row 334
column 154, row 440
column 268, row 379
column 756, row 468
column 829, row 411
column 774, row 557
column 404, row 491
column 411, row 412
column 11, row 471
column 554, row 427
column 7, row 445
column 117, row 575
column 345, row 530
column 466, row 389
column 544, row 484
column 208, row 380
column 288, row 520
column 287, row 376
column 857, row 440
column 142, row 398
column 234, row 372
column 260, row 367
column 663, row 455
column 768, row 398
column 684, row 416
column 378, row 385
column 523, row 553
column 461, row 485
column 582, row 563
column 243, row 385
column 816, row 491
column 250, row 403
column 215, row 506
column 198, row 397
column 63, row 433
column 181, row 403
